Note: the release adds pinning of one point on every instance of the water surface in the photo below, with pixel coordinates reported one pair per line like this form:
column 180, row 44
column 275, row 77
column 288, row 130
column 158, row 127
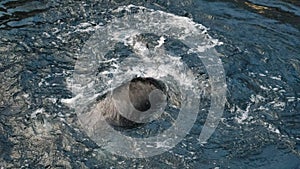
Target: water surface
column 39, row 45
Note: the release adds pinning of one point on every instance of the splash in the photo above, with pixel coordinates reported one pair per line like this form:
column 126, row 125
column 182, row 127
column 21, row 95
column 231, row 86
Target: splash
column 119, row 51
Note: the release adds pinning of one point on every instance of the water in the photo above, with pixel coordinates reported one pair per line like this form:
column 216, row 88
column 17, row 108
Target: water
column 40, row 43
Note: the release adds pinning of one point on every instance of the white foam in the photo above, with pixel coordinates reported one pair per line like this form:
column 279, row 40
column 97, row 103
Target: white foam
column 264, row 88
column 276, row 78
column 261, row 74
column 154, row 62
column 271, row 128
column 257, row 98
column 161, row 41
column 243, row 115
column 291, row 99
column 38, row 111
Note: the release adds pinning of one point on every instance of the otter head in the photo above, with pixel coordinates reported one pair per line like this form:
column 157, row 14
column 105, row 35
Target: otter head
column 136, row 102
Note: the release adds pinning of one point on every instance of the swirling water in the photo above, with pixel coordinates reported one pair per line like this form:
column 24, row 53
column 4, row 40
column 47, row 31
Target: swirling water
column 39, row 43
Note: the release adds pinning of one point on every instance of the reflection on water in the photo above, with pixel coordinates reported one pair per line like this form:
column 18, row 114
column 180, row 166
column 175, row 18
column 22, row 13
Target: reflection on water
column 39, row 41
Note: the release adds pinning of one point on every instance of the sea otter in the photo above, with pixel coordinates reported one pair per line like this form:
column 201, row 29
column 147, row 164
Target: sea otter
column 127, row 106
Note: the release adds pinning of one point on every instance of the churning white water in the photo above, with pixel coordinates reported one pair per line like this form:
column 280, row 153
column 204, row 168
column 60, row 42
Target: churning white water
column 135, row 45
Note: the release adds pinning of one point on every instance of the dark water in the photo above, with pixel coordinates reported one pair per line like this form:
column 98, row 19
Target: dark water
column 260, row 127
